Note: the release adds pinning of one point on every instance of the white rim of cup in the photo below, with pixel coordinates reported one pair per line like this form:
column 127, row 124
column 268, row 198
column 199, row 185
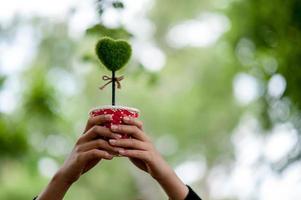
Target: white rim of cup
column 115, row 107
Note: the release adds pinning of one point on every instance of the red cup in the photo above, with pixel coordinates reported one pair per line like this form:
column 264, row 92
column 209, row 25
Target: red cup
column 117, row 112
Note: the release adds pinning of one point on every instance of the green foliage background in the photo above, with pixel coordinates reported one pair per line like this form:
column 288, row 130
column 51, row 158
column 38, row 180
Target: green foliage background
column 191, row 98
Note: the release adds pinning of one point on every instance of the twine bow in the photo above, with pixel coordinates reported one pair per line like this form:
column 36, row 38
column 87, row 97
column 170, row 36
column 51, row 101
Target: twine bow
column 110, row 80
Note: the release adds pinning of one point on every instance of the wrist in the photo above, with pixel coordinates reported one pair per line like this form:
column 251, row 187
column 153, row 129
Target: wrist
column 162, row 171
column 60, row 178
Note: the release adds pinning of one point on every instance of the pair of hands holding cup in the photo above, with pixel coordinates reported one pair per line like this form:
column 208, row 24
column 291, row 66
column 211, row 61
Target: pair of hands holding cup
column 91, row 147
column 99, row 142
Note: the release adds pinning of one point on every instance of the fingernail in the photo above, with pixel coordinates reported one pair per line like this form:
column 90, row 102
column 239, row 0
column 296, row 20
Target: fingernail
column 126, row 119
column 117, row 149
column 121, row 151
column 109, row 117
column 112, row 141
column 114, row 127
column 117, row 136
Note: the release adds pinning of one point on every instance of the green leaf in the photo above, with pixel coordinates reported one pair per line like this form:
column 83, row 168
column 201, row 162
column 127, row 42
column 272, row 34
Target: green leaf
column 118, row 5
column 113, row 54
column 98, row 29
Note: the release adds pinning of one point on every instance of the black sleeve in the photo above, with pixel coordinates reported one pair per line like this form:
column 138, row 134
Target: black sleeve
column 192, row 195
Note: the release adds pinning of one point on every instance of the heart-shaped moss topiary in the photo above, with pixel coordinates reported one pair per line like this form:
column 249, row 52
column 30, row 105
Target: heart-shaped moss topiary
column 114, row 54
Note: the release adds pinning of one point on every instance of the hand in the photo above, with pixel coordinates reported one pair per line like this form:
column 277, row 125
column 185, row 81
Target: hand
column 139, row 148
column 89, row 149
column 144, row 155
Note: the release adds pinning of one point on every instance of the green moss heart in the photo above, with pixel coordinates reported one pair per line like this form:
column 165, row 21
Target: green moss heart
column 113, row 54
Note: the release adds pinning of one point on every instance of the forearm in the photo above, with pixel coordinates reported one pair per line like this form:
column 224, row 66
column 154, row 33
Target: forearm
column 56, row 189
column 173, row 186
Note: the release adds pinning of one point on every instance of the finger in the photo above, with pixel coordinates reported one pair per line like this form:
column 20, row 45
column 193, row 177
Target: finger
column 97, row 132
column 143, row 155
column 133, row 131
column 97, row 144
column 97, row 120
column 95, row 154
column 129, row 144
column 133, row 121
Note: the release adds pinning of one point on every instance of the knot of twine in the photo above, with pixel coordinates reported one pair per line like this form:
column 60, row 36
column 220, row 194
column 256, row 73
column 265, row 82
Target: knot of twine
column 110, row 80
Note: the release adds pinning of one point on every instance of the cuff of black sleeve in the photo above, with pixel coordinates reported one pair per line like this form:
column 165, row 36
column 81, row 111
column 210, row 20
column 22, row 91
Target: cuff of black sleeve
column 192, row 195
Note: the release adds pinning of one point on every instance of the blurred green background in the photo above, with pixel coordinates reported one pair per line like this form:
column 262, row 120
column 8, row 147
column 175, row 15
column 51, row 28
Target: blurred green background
column 218, row 84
